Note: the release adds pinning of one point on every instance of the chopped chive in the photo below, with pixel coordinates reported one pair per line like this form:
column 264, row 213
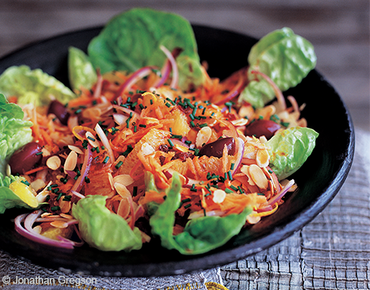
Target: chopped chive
column 187, row 206
column 106, row 159
column 186, row 200
column 141, row 106
column 118, row 165
column 170, row 142
column 193, row 188
column 191, row 117
column 192, row 124
column 177, row 136
column 196, row 152
column 228, row 190
column 204, row 110
column 151, row 101
column 59, row 196
column 240, row 189
column 203, row 125
column 188, row 142
column 260, row 193
column 39, row 153
column 232, row 166
column 135, row 129
column 67, row 198
column 168, row 105
column 233, row 187
column 87, row 180
column 90, row 138
column 55, row 208
column 78, row 111
column 195, row 111
column 25, row 182
column 229, row 174
column 142, row 125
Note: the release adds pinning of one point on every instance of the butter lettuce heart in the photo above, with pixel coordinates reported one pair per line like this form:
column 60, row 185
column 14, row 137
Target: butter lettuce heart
column 102, row 229
column 33, row 86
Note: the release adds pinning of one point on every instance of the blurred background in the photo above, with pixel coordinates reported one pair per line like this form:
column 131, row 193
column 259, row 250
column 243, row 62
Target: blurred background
column 338, row 29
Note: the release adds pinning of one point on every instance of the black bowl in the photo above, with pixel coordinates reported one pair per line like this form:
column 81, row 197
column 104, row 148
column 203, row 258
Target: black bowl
column 319, row 179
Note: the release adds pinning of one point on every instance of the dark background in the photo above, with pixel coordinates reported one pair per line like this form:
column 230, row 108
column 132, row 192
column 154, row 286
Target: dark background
column 338, row 29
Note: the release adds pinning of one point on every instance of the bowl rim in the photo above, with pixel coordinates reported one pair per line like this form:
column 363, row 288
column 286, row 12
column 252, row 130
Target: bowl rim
column 213, row 258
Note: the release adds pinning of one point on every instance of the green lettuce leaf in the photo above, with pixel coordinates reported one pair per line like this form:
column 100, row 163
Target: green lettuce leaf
column 284, row 57
column 33, row 86
column 289, row 149
column 200, row 235
column 8, row 199
column 14, row 131
column 132, row 40
column 103, row 229
column 81, row 72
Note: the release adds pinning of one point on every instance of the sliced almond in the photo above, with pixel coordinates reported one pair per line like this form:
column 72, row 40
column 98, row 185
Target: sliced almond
column 66, row 216
column 147, row 149
column 203, row 136
column 59, row 224
column 240, row 122
column 122, row 190
column 46, row 214
column 111, row 180
column 262, row 158
column 124, row 208
column 37, row 184
column 65, row 205
column 37, row 229
column 124, row 179
column 91, row 139
column 75, row 149
column 53, row 162
column 45, row 152
column 219, row 196
column 71, row 161
column 258, row 176
column 253, row 219
column 245, row 170
column 120, row 119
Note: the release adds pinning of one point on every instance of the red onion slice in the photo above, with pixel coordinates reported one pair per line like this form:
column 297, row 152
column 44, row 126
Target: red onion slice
column 166, row 70
column 33, row 236
column 175, row 71
column 135, row 77
column 85, row 169
column 235, row 91
column 278, row 93
column 239, row 154
column 282, row 192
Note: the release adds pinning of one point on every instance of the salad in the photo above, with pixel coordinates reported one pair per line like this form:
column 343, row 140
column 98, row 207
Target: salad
column 145, row 145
